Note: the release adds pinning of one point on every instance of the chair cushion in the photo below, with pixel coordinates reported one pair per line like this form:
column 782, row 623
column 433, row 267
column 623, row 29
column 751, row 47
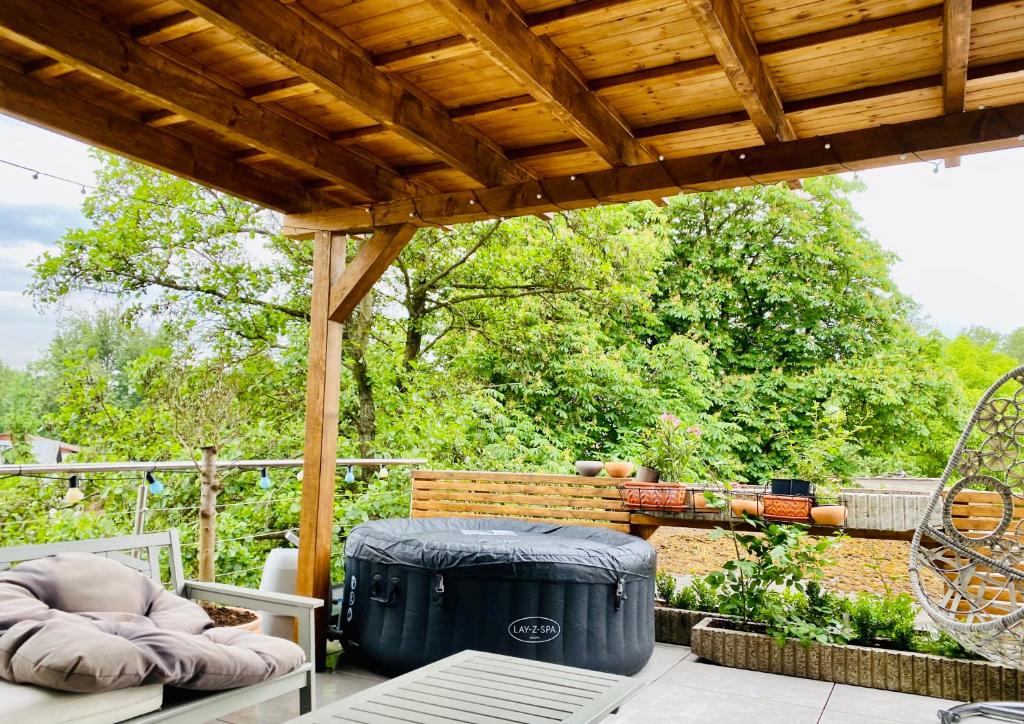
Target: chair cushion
column 84, row 623
column 27, row 704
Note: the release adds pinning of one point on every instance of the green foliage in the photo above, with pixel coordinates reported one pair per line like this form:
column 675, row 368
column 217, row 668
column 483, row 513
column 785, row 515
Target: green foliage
column 765, row 317
column 889, row 617
column 665, row 585
column 780, row 556
column 697, row 595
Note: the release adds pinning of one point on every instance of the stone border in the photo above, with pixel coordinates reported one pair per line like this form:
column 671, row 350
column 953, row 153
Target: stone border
column 903, row 671
column 673, row 625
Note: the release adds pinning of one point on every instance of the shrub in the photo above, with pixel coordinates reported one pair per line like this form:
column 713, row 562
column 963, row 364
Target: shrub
column 665, row 586
column 696, row 596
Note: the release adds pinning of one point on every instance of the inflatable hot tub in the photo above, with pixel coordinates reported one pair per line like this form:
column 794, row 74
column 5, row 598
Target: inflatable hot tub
column 419, row 590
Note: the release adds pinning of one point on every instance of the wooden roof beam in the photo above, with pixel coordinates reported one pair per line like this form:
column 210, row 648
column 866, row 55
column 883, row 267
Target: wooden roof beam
column 928, row 139
column 732, row 41
column 45, row 105
column 106, row 53
column 540, row 67
column 337, row 69
column 956, row 45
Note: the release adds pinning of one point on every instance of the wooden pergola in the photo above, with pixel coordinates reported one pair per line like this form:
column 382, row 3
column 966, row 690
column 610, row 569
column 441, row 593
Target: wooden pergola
column 382, row 116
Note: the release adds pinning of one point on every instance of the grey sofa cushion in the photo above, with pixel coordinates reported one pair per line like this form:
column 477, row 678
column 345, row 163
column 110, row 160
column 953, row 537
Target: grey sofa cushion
column 79, row 622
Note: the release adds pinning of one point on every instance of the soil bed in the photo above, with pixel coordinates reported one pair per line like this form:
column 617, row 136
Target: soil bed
column 861, row 564
column 228, row 616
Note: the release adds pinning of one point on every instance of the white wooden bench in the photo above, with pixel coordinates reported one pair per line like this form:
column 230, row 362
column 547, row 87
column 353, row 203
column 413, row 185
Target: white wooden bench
column 152, row 553
column 472, row 687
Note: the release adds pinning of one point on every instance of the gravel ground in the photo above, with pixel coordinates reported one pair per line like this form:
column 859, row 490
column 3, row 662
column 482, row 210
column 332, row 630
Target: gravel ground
column 861, row 565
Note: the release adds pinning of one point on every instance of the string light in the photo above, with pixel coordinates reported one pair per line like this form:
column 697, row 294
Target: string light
column 265, row 481
column 84, row 187
column 74, row 492
column 383, row 473
column 155, row 486
column 743, row 156
column 828, row 146
column 350, row 476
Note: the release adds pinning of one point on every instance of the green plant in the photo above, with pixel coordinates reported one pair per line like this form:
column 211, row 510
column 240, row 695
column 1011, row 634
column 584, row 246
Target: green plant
column 941, row 644
column 665, row 585
column 672, row 449
column 888, row 617
column 782, row 557
column 696, row 596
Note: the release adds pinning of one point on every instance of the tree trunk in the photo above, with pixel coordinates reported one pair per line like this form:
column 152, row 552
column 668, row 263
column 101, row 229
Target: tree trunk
column 366, row 415
column 416, row 308
column 210, row 488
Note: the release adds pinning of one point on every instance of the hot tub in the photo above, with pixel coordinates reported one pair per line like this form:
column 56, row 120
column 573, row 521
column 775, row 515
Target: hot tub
column 419, row 590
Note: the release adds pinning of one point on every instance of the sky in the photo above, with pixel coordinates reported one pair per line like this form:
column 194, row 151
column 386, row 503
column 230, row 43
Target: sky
column 958, row 234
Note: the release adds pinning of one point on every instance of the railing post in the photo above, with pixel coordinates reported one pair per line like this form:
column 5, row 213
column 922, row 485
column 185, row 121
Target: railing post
column 210, row 488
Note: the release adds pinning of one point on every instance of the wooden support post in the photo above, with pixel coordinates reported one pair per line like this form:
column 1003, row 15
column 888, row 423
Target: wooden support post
column 210, row 488
column 323, row 389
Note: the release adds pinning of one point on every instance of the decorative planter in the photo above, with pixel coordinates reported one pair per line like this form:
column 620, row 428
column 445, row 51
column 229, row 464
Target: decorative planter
column 588, row 468
column 618, row 469
column 743, row 506
column 786, row 507
column 653, row 496
column 645, row 474
column 904, row 671
column 834, row 515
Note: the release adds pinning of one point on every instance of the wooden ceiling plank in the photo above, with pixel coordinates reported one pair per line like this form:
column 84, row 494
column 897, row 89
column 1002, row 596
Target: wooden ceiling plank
column 58, row 110
column 167, row 29
column 733, row 42
column 502, row 34
column 108, row 54
column 931, row 138
column 310, row 52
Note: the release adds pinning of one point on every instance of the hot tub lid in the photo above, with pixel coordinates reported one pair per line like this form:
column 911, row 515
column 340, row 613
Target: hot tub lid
column 505, row 546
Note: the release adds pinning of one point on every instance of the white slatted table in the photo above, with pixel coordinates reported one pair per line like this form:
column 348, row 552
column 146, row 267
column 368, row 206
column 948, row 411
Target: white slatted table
column 480, row 688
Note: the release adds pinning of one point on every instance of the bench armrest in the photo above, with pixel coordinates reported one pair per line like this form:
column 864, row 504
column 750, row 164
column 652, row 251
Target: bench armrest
column 284, row 604
column 281, row 604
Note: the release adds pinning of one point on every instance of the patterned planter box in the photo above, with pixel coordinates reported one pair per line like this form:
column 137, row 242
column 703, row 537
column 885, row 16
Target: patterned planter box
column 903, row 671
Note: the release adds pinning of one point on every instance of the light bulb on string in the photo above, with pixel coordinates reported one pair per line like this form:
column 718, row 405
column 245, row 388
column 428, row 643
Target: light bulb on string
column 265, row 481
column 350, row 476
column 74, row 492
column 383, row 472
column 155, row 486
column 35, row 175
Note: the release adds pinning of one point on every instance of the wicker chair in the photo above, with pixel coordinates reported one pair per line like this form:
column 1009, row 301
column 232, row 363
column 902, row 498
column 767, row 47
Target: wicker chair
column 969, row 578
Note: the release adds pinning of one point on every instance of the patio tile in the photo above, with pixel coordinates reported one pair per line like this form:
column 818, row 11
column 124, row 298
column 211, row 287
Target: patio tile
column 755, row 684
column 665, row 656
column 661, row 703
column 910, row 708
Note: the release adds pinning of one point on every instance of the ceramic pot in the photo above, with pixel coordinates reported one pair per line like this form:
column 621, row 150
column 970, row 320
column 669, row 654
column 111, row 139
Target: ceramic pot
column 829, row 515
column 699, row 502
column 617, row 469
column 589, row 468
column 741, row 506
column 645, row 474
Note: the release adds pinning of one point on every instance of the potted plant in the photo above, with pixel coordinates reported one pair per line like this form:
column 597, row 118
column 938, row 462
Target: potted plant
column 671, row 457
column 828, row 510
